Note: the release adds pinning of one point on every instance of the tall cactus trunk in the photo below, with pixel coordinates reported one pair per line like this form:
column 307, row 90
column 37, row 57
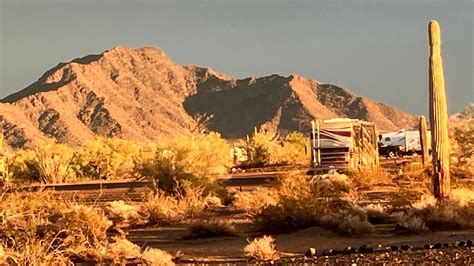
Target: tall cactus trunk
column 423, row 141
column 438, row 115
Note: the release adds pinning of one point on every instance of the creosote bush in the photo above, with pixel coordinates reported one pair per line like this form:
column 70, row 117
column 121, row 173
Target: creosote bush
column 199, row 160
column 48, row 163
column 266, row 148
column 106, row 158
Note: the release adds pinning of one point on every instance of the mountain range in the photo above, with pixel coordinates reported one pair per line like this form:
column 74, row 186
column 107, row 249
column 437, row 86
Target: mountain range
column 141, row 94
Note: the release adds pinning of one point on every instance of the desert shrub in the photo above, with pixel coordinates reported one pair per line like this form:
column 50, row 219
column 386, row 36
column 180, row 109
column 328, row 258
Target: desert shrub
column 367, row 178
column 331, row 185
column 409, row 223
column 376, row 213
column 447, row 216
column 263, row 149
column 38, row 228
column 349, row 219
column 450, row 214
column 122, row 250
column 186, row 203
column 124, row 215
column 299, row 206
column 48, row 162
column 212, row 228
column 251, row 201
column 197, row 159
column 22, row 166
column 462, row 196
column 53, row 162
column 462, row 148
column 106, row 158
column 262, row 249
column 296, row 148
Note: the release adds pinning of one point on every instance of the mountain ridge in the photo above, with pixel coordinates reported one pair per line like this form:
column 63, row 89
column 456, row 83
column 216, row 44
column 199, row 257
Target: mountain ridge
column 141, row 94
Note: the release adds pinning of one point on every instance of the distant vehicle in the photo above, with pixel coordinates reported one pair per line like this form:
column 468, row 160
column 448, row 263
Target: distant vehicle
column 400, row 143
column 343, row 143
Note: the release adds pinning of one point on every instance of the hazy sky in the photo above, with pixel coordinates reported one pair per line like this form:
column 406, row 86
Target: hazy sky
column 377, row 49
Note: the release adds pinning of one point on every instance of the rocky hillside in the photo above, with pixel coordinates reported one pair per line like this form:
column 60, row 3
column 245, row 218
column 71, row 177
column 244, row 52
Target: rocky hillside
column 141, row 94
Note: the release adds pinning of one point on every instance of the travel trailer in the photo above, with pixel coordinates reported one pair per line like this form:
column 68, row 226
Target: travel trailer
column 343, row 143
column 401, row 143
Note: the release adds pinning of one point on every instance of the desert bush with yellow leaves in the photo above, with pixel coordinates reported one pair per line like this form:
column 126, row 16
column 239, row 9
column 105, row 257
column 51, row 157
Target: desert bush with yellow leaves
column 106, row 158
column 267, row 148
column 199, row 160
column 48, row 162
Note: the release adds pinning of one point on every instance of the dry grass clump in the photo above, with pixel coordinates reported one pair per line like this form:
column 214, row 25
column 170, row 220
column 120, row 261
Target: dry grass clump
column 262, row 249
column 154, row 256
column 212, row 228
column 122, row 251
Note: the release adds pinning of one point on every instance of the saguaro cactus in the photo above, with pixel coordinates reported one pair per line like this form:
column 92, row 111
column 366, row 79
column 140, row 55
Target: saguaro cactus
column 423, row 140
column 438, row 115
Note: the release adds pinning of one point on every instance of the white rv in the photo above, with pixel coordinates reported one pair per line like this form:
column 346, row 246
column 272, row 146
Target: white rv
column 402, row 142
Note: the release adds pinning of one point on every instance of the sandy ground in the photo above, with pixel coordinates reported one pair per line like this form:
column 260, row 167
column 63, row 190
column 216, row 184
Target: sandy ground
column 228, row 249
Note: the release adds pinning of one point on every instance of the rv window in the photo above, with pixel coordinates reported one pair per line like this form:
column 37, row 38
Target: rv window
column 387, row 138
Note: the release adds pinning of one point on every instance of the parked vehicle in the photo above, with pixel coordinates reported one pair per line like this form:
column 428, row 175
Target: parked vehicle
column 343, row 143
column 400, row 143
